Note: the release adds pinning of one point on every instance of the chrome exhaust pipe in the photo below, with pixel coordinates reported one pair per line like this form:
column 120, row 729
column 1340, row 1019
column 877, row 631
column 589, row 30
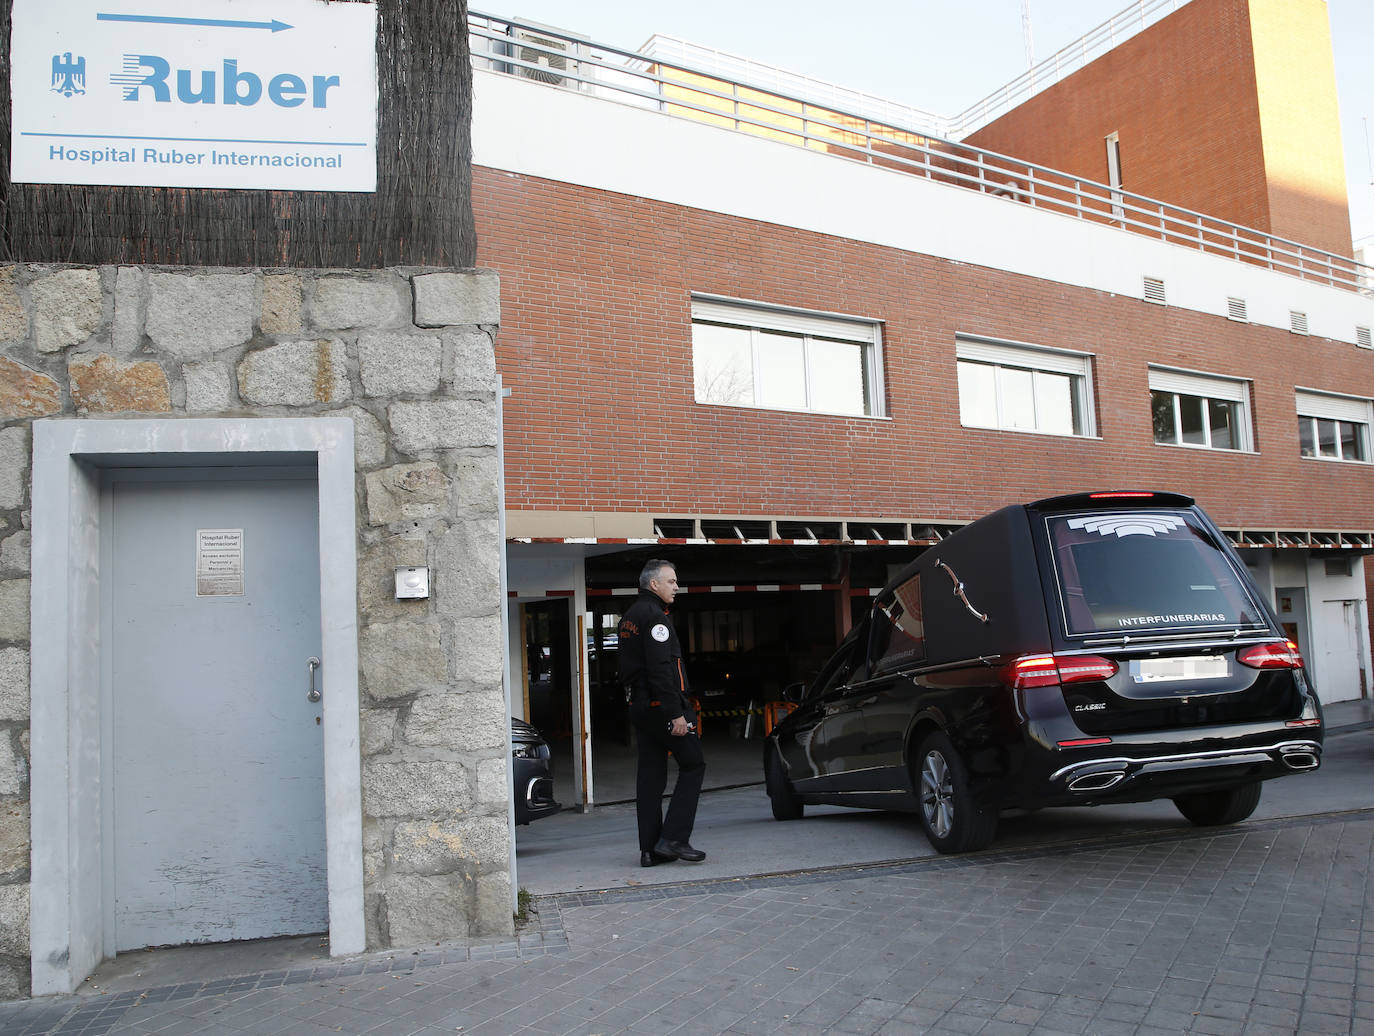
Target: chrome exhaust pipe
column 1300, row 760
column 1097, row 781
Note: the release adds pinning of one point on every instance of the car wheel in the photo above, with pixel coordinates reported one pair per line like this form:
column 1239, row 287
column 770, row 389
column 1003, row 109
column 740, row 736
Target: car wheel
column 786, row 805
column 1208, row 808
column 951, row 819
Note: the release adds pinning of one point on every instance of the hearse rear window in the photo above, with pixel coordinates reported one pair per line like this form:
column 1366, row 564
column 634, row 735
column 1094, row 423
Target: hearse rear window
column 1148, row 571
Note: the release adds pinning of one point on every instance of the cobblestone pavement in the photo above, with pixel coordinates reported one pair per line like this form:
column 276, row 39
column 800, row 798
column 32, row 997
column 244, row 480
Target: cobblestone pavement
column 1262, row 928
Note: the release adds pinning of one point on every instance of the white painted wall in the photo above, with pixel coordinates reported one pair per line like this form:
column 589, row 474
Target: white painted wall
column 1334, row 656
column 1340, row 631
column 526, row 127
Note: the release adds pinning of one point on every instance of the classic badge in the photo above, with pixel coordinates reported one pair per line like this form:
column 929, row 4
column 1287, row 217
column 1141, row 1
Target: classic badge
column 659, row 633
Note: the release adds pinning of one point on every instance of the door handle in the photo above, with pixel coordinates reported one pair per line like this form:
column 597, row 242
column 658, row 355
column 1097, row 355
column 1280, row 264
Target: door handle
column 314, row 694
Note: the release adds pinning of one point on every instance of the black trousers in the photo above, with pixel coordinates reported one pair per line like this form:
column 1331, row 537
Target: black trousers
column 651, row 778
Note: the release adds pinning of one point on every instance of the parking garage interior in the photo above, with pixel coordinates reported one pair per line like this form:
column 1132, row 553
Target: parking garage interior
column 753, row 620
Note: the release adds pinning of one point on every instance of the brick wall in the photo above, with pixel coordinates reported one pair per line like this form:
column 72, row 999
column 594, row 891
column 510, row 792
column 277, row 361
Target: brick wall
column 596, row 346
column 1227, row 107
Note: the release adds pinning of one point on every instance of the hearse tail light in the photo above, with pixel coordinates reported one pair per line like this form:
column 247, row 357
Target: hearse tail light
column 1053, row 670
column 1281, row 654
column 1032, row 671
column 1077, row 668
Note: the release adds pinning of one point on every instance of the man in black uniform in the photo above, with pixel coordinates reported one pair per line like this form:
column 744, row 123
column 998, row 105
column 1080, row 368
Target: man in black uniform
column 656, row 684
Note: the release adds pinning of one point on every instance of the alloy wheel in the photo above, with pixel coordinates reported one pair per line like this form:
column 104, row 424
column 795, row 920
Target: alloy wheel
column 937, row 794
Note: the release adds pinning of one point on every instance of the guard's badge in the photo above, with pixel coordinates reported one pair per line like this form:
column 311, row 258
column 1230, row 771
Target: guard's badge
column 659, row 633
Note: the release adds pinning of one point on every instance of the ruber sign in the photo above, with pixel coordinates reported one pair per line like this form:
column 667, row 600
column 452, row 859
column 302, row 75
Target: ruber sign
column 243, row 94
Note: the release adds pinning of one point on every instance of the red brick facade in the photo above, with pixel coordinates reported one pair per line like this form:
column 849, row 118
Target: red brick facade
column 596, row 345
column 1227, row 107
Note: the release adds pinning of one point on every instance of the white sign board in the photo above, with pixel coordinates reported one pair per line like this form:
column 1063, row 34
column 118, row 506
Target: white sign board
column 219, row 562
column 246, row 94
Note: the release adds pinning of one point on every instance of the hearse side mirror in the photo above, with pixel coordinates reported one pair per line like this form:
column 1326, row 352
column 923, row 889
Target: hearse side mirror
column 794, row 692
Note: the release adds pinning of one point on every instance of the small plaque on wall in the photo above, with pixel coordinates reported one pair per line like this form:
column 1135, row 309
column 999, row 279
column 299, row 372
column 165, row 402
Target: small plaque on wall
column 219, row 562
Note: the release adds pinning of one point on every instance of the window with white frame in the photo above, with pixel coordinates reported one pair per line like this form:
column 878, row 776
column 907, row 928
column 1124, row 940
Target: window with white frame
column 1333, row 427
column 1024, row 388
column 751, row 355
column 1200, row 410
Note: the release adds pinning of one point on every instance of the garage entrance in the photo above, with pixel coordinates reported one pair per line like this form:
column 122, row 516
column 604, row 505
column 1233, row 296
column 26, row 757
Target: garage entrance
column 741, row 648
column 744, row 643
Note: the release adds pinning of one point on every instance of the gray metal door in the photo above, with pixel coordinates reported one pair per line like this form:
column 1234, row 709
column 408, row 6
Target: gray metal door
column 1338, row 675
column 215, row 756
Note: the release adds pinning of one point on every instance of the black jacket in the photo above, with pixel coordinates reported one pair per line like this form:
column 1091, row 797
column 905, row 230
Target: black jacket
column 651, row 658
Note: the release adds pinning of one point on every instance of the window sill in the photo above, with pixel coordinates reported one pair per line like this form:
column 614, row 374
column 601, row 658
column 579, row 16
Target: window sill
column 1206, row 449
column 803, row 413
column 1334, row 460
column 1031, row 431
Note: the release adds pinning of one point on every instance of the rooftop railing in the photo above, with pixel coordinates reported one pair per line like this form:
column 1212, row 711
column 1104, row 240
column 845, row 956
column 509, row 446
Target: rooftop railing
column 569, row 62
column 1137, row 17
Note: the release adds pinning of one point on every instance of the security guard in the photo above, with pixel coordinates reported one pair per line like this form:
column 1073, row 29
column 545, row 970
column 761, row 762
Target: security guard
column 656, row 687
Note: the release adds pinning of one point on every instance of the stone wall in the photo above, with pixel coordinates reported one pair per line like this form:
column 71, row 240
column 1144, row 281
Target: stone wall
column 408, row 355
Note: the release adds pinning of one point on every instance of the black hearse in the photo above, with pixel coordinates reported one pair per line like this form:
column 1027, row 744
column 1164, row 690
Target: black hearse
column 1080, row 650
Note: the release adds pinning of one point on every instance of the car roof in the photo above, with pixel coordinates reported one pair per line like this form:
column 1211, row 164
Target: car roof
column 1107, row 498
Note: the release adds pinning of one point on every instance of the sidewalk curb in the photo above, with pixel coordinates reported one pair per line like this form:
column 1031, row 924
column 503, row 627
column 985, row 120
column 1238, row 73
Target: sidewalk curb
column 1350, row 728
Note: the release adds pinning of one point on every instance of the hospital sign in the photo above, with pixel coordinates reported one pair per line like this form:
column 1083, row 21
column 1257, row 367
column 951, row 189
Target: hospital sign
column 244, row 94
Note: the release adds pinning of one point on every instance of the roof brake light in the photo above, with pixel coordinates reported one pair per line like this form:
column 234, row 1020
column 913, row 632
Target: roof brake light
column 1132, row 495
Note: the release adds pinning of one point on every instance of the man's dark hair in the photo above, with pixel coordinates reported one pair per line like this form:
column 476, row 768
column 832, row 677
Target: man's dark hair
column 652, row 568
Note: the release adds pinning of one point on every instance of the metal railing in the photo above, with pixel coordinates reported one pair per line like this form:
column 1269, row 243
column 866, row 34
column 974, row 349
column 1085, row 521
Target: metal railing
column 733, row 67
column 919, row 531
column 571, row 62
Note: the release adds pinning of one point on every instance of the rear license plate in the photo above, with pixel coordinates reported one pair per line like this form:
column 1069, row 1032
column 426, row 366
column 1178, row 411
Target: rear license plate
column 1191, row 667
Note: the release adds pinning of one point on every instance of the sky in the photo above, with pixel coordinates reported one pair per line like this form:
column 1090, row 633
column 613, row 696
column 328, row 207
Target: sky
column 939, row 55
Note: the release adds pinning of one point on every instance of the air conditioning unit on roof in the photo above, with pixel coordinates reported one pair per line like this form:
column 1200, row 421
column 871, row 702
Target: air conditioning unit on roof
column 546, row 55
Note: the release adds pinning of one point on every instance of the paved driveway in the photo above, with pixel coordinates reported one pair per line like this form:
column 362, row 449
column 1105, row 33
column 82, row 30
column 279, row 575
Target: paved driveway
column 1265, row 928
column 1114, row 922
column 596, row 850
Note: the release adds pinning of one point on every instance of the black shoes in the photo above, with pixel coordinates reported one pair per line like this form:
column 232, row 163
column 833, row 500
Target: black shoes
column 677, row 851
column 653, row 859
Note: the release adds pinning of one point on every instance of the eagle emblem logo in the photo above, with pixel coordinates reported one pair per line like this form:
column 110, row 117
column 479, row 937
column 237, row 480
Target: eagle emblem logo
column 68, row 74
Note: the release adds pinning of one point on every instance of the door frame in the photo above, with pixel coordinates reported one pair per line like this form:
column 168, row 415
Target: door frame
column 557, row 572
column 69, row 935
